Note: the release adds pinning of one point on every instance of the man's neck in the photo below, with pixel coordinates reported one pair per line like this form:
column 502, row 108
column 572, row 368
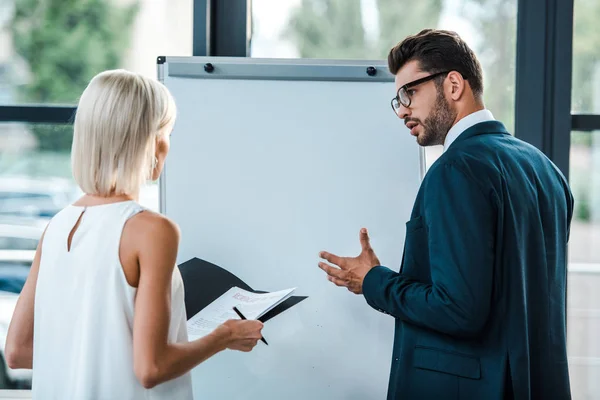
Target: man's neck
column 468, row 110
column 464, row 120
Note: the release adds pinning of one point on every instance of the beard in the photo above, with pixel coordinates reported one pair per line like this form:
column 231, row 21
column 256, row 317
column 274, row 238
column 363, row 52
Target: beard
column 438, row 123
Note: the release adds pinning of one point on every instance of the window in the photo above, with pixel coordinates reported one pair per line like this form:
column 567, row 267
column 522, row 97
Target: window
column 17, row 242
column 357, row 29
column 584, row 267
column 585, row 90
column 584, row 255
column 49, row 57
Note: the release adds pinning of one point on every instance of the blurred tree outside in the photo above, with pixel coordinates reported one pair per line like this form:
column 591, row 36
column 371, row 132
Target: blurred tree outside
column 65, row 43
column 586, row 57
column 496, row 21
column 401, row 18
column 328, row 29
column 335, row 29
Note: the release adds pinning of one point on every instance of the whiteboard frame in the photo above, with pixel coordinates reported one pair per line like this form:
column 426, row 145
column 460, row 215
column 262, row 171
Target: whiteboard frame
column 307, row 70
column 297, row 69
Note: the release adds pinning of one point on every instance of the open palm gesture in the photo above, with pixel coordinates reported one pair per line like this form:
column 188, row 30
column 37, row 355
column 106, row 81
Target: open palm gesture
column 350, row 271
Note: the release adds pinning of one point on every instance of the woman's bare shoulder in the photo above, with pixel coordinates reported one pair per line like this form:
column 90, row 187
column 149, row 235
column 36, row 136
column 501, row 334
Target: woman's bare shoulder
column 148, row 229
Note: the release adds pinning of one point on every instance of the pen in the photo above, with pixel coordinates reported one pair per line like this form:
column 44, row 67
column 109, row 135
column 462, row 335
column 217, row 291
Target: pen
column 242, row 317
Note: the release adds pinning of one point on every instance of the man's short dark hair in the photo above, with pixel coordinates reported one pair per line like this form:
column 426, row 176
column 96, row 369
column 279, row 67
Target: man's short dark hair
column 437, row 51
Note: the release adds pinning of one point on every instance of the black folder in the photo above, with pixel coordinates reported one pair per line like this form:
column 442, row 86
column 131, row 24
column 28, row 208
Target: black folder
column 204, row 282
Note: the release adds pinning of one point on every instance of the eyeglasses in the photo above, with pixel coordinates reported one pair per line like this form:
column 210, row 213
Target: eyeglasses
column 403, row 96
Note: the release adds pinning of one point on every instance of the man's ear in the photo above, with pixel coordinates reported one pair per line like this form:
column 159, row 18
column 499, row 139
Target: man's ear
column 456, row 84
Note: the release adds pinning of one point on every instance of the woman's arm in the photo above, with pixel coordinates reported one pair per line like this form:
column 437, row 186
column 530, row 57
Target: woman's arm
column 156, row 360
column 19, row 339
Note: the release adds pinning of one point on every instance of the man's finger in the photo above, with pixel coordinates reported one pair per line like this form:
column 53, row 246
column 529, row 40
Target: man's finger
column 338, row 282
column 363, row 236
column 332, row 258
column 332, row 271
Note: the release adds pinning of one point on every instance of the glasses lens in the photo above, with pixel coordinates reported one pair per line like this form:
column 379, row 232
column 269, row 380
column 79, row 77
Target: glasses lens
column 404, row 99
column 395, row 104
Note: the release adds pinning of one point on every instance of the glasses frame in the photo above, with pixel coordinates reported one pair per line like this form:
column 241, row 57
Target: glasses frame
column 410, row 85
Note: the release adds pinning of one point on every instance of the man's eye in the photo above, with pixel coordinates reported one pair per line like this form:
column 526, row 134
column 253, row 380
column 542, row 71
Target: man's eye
column 411, row 92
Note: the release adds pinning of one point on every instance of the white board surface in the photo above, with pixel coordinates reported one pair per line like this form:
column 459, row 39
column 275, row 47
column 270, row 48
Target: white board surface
column 263, row 174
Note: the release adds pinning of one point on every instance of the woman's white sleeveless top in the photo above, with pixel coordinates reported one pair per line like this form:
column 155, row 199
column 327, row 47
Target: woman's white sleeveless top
column 83, row 321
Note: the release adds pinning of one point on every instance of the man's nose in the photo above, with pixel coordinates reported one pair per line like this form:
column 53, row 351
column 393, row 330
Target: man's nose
column 403, row 112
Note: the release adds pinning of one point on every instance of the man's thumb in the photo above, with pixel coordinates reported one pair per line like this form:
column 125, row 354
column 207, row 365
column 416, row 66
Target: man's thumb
column 364, row 239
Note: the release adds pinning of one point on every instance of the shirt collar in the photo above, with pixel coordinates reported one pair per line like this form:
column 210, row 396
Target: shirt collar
column 465, row 123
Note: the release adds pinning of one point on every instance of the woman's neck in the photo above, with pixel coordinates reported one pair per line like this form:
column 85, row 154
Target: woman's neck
column 94, row 200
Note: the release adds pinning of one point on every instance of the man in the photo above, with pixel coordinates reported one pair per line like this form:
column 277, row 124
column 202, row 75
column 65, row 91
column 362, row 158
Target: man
column 479, row 301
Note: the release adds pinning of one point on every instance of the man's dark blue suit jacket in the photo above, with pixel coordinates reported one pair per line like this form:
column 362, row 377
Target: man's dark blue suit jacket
column 479, row 301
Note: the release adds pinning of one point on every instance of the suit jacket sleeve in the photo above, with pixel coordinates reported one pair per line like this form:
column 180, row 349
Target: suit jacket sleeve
column 460, row 227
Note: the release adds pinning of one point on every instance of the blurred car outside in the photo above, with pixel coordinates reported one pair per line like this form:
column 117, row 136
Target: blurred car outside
column 35, row 197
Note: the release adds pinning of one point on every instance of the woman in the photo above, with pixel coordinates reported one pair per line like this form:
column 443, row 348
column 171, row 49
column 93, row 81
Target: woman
column 102, row 313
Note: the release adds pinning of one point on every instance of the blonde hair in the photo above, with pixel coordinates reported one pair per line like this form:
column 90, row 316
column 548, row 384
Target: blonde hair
column 119, row 117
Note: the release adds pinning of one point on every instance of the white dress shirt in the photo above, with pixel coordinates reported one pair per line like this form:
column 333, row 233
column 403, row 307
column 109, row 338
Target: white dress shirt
column 465, row 123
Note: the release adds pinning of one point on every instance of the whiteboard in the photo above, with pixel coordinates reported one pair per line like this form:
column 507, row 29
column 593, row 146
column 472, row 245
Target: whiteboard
column 272, row 161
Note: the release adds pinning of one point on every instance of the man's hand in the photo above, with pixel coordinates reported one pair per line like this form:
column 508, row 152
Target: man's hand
column 352, row 270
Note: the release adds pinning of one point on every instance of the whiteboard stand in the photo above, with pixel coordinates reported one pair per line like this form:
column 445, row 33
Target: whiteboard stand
column 272, row 161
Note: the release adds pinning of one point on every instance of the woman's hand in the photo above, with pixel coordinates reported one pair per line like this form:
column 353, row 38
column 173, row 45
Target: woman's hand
column 242, row 335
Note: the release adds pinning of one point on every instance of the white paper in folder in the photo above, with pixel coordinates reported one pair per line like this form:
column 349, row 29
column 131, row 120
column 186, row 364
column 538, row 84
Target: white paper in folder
column 252, row 305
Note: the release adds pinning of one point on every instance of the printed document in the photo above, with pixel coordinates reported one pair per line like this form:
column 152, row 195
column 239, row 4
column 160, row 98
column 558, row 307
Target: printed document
column 251, row 305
